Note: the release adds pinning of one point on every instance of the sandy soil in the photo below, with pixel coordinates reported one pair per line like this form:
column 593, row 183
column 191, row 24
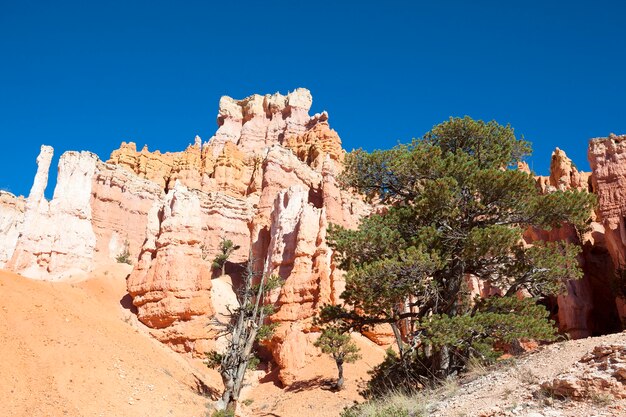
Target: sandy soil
column 312, row 396
column 73, row 349
column 76, row 349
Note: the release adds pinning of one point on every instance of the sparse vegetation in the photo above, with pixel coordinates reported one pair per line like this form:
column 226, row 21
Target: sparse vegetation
column 124, row 256
column 338, row 344
column 602, row 399
column 227, row 247
column 223, row 413
column 246, row 326
column 394, row 405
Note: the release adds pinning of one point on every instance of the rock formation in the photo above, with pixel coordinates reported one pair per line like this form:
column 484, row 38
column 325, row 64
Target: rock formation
column 607, row 157
column 588, row 307
column 267, row 180
column 171, row 283
column 57, row 238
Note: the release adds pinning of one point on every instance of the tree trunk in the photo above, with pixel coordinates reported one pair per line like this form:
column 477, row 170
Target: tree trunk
column 232, row 406
column 441, row 363
column 398, row 337
column 224, row 268
column 228, row 395
column 339, row 384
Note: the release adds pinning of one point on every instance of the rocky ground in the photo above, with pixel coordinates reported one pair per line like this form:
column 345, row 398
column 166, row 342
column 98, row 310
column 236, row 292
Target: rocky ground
column 550, row 382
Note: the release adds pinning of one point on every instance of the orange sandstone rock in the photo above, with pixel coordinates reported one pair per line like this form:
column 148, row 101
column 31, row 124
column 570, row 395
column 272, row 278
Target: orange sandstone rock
column 171, row 284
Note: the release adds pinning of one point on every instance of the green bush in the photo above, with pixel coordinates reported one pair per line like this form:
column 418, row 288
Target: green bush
column 124, row 256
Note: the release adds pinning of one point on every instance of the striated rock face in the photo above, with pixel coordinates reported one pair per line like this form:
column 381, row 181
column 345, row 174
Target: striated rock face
column 11, row 219
column 266, row 181
column 297, row 252
column 258, row 121
column 319, row 140
column 588, row 308
column 97, row 211
column 607, row 157
column 120, row 203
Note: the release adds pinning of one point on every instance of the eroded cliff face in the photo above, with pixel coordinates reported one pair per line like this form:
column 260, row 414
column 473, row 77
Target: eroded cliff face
column 267, row 180
column 607, row 157
column 171, row 282
column 57, row 237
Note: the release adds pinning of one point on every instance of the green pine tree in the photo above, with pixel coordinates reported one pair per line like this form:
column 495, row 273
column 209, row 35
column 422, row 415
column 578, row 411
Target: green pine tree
column 337, row 343
column 454, row 208
column 227, row 247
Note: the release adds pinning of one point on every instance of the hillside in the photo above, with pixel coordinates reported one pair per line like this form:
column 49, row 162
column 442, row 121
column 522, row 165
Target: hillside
column 74, row 349
column 71, row 349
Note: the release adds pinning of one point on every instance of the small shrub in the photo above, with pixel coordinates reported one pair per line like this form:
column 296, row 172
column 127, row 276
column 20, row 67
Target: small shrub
column 600, row 399
column 395, row 376
column 124, row 256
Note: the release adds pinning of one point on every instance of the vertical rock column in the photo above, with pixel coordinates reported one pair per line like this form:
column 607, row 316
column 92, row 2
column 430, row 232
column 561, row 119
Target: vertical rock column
column 171, row 283
column 297, row 253
column 58, row 239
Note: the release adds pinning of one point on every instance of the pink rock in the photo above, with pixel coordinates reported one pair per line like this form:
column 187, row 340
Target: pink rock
column 266, row 180
column 171, row 284
column 607, row 157
column 120, row 204
column 57, row 238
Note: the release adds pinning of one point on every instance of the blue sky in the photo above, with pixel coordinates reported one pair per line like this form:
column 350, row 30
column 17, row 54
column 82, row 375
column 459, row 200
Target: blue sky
column 88, row 75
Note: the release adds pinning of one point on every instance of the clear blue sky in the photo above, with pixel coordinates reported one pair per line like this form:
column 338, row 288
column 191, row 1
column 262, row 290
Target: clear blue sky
column 87, row 75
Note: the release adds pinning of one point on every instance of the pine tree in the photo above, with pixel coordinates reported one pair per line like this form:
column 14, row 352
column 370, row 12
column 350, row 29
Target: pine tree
column 246, row 326
column 454, row 208
column 338, row 344
column 227, row 247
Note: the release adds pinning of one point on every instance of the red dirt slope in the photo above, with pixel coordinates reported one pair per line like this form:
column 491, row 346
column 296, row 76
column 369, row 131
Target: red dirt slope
column 72, row 349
